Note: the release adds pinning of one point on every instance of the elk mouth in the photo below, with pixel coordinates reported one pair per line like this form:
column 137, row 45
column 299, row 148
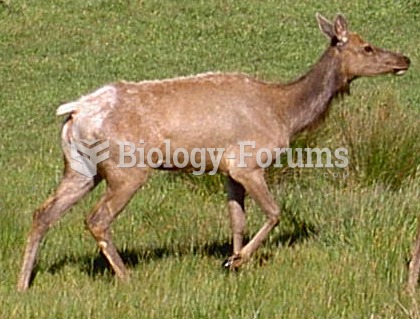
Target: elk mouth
column 402, row 67
column 400, row 71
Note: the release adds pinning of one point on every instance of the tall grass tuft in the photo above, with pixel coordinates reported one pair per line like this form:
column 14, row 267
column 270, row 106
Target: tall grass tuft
column 382, row 139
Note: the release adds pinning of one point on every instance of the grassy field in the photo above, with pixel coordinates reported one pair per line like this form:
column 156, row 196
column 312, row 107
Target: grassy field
column 342, row 247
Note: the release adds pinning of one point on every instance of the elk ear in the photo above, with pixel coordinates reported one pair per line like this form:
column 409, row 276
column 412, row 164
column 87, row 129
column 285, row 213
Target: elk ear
column 340, row 28
column 325, row 26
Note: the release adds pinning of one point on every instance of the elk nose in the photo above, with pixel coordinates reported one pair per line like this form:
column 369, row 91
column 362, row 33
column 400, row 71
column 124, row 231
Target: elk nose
column 407, row 60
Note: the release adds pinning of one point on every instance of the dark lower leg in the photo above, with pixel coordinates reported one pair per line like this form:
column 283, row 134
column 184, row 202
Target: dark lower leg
column 256, row 187
column 236, row 196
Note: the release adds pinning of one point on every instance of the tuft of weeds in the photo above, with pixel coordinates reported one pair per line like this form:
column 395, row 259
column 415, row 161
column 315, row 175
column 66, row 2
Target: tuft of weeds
column 382, row 139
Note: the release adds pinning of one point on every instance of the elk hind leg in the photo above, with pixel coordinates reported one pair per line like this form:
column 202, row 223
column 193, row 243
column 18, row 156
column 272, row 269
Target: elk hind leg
column 117, row 195
column 72, row 188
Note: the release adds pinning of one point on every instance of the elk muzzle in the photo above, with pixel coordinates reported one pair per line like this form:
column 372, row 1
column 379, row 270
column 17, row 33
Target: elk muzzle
column 403, row 65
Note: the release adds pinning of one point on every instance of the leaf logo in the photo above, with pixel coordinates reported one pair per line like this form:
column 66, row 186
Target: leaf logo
column 85, row 156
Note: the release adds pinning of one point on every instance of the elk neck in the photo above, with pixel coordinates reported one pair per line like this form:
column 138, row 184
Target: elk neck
column 308, row 98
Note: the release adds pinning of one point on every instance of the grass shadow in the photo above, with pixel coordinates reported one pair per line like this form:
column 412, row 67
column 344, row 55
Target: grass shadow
column 97, row 265
column 297, row 232
column 133, row 257
column 301, row 231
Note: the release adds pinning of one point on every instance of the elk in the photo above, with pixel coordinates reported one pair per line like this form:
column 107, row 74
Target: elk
column 211, row 110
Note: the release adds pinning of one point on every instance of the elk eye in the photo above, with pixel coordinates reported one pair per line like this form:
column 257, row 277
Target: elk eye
column 368, row 49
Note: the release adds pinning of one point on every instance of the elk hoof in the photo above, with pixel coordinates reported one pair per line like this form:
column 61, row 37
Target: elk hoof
column 233, row 262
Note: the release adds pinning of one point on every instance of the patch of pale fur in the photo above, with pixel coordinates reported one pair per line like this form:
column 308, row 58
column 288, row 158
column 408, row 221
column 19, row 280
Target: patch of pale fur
column 108, row 93
column 104, row 95
column 213, row 76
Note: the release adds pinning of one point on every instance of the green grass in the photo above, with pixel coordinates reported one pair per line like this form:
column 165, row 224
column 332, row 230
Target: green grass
column 342, row 246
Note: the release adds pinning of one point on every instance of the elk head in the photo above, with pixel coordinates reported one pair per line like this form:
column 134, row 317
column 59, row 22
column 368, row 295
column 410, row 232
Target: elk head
column 358, row 57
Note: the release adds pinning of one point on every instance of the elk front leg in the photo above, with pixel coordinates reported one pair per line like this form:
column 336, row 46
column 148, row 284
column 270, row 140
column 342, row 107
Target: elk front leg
column 254, row 183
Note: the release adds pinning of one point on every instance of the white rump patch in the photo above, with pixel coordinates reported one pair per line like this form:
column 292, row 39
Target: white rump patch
column 105, row 95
